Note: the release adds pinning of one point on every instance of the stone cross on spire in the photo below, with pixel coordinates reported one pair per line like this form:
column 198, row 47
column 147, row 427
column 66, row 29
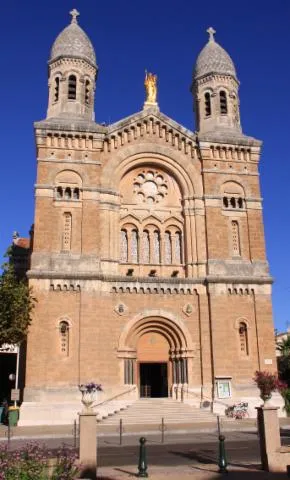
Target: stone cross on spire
column 211, row 31
column 74, row 14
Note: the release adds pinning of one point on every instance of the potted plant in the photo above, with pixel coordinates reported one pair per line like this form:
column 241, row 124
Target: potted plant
column 89, row 393
column 267, row 383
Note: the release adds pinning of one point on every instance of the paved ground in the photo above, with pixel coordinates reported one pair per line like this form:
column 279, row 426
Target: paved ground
column 198, row 472
column 190, row 453
column 67, row 431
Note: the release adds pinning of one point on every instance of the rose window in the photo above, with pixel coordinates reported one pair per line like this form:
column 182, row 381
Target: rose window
column 150, row 187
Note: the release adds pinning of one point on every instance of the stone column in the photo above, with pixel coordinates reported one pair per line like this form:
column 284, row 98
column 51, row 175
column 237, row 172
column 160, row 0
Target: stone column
column 88, row 444
column 269, row 434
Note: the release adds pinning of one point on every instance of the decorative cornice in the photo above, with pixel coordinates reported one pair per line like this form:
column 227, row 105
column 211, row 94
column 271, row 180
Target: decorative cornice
column 239, row 279
column 70, row 124
column 35, row 274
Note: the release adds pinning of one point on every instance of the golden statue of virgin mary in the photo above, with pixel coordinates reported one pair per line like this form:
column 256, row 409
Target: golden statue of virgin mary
column 150, row 83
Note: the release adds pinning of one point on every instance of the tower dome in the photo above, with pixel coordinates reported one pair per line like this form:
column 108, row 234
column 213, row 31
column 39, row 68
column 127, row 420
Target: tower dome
column 215, row 90
column 73, row 42
column 72, row 74
column 213, row 59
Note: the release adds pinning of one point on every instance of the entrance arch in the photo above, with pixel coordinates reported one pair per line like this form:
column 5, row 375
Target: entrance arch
column 156, row 348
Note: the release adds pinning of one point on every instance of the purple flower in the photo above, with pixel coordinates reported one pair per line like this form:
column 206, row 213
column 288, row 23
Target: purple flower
column 90, row 387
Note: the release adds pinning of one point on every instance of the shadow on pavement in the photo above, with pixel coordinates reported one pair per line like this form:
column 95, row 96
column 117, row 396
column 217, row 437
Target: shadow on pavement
column 199, row 457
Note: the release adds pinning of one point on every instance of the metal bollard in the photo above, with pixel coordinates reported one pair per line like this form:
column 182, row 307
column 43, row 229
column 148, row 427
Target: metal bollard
column 162, row 430
column 121, row 430
column 142, row 465
column 218, row 424
column 222, row 463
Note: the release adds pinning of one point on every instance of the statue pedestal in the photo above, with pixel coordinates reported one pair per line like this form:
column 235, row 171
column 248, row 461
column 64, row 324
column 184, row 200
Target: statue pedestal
column 151, row 105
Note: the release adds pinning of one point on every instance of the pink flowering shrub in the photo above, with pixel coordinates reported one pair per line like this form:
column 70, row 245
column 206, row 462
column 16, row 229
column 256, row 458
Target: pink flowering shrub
column 267, row 383
column 66, row 468
column 31, row 463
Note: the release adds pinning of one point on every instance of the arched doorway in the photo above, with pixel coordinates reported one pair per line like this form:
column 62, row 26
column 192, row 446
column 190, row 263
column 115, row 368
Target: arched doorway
column 153, row 366
column 156, row 352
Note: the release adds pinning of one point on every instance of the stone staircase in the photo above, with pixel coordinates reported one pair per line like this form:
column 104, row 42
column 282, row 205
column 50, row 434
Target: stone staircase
column 150, row 411
column 110, row 408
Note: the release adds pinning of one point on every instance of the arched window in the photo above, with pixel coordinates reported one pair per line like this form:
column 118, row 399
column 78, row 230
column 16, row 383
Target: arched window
column 233, row 196
column 87, row 92
column 67, row 193
column 156, row 247
column 124, row 246
column 67, row 231
column 68, row 186
column 72, row 87
column 56, row 89
column 76, row 194
column 243, row 337
column 134, row 246
column 146, row 247
column 223, row 102
column 233, row 202
column 178, row 250
column 59, row 193
column 207, row 104
column 64, row 338
column 236, row 244
column 168, row 248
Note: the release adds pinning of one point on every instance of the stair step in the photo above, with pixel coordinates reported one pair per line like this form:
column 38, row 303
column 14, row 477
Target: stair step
column 151, row 411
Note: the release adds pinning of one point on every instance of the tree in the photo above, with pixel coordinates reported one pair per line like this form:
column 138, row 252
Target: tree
column 284, row 368
column 284, row 346
column 16, row 304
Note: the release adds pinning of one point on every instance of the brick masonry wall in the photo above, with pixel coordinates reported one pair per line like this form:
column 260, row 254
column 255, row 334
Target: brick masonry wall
column 90, row 305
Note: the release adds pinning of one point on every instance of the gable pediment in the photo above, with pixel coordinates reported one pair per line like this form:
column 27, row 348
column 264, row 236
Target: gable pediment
column 152, row 123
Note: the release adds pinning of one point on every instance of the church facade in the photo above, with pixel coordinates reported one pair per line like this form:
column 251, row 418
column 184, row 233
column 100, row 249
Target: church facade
column 148, row 259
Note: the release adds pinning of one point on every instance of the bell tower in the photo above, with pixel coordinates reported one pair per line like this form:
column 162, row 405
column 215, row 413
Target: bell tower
column 215, row 89
column 72, row 71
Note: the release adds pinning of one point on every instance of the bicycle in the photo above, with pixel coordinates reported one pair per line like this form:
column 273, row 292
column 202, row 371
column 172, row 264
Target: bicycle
column 238, row 411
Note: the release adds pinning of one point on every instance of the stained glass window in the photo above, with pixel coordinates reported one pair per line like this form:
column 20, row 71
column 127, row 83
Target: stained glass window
column 156, row 247
column 134, row 246
column 124, row 246
column 145, row 247
column 177, row 247
column 168, row 250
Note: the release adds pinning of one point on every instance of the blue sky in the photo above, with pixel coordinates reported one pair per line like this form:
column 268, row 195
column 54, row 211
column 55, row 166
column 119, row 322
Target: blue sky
column 165, row 37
